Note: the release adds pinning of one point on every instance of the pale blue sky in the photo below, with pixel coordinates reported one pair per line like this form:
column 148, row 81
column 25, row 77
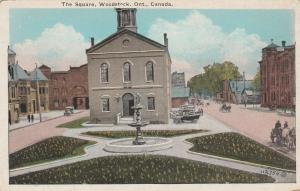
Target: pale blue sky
column 59, row 37
column 29, row 23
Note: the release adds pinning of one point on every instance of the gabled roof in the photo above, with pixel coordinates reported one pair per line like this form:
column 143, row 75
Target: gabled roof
column 180, row 92
column 44, row 66
column 117, row 34
column 38, row 75
column 251, row 92
column 238, row 86
column 272, row 45
column 18, row 73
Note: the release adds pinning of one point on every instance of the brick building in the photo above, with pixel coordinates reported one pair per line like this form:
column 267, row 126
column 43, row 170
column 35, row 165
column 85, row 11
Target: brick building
column 67, row 88
column 178, row 79
column 277, row 70
column 180, row 96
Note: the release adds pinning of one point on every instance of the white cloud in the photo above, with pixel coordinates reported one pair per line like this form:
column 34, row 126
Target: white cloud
column 186, row 67
column 196, row 41
column 58, row 47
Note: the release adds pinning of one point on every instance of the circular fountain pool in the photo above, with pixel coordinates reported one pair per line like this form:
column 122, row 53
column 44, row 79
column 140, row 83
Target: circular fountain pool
column 125, row 145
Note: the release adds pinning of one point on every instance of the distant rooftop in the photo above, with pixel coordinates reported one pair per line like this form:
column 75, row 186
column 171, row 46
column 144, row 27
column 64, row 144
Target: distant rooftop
column 18, row 73
column 180, row 92
column 38, row 75
column 238, row 86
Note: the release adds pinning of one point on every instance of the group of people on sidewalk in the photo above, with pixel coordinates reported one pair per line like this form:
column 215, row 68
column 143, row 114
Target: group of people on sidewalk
column 30, row 118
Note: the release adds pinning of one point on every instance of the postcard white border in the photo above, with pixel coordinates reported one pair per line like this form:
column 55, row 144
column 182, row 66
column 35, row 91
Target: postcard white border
column 184, row 4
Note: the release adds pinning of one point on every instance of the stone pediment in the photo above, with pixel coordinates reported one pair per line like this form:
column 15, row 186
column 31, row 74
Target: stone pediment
column 126, row 41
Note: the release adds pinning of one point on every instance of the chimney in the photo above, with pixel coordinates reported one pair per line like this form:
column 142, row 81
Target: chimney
column 166, row 40
column 283, row 43
column 92, row 41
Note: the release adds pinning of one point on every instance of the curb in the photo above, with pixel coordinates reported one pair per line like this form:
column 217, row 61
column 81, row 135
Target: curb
column 85, row 124
column 10, row 130
column 237, row 161
column 53, row 162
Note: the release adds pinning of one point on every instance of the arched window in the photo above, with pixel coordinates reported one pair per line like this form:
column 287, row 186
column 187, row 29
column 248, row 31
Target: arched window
column 149, row 71
column 127, row 72
column 104, row 72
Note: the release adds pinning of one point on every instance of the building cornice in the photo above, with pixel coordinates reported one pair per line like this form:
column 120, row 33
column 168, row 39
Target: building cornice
column 129, row 87
column 125, row 52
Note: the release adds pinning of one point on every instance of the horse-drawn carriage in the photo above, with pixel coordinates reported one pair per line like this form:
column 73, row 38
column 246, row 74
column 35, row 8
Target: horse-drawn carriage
column 225, row 108
column 185, row 113
column 284, row 137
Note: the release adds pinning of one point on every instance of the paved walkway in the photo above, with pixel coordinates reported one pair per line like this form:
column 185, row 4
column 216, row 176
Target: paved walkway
column 254, row 122
column 29, row 135
column 179, row 149
column 45, row 117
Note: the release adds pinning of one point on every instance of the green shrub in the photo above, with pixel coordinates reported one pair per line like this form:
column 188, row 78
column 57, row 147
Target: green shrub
column 46, row 150
column 139, row 169
column 236, row 146
column 74, row 124
column 149, row 133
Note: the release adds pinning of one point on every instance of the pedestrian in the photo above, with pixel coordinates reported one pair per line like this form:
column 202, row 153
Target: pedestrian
column 28, row 117
column 32, row 118
column 285, row 133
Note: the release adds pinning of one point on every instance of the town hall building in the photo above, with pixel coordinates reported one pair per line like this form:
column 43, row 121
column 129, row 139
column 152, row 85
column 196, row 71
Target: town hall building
column 126, row 64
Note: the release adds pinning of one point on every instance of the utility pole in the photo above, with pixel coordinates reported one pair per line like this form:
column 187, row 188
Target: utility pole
column 38, row 92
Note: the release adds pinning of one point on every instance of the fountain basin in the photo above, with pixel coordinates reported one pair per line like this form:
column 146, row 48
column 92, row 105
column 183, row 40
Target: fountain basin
column 125, row 145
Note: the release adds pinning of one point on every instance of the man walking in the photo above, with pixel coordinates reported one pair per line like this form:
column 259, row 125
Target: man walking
column 32, row 118
column 28, row 118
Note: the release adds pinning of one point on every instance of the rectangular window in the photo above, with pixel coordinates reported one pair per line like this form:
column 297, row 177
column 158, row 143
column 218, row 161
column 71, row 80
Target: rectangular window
column 151, row 103
column 105, row 104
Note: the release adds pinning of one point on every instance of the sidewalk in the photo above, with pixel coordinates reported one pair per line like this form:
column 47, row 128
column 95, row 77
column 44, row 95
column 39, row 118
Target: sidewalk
column 24, row 137
column 45, row 116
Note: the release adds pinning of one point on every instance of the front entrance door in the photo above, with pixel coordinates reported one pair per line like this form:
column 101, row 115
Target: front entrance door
column 128, row 103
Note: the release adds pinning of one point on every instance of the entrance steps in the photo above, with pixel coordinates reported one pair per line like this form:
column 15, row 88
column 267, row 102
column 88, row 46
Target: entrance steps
column 125, row 120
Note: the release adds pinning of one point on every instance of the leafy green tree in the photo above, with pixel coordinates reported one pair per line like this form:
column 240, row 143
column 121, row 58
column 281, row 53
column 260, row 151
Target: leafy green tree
column 256, row 82
column 211, row 79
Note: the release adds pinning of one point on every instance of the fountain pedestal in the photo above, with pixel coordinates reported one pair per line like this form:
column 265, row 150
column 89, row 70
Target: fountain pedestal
column 139, row 140
column 139, row 144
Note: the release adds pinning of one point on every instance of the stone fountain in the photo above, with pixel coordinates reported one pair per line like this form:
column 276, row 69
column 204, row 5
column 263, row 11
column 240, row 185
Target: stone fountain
column 139, row 144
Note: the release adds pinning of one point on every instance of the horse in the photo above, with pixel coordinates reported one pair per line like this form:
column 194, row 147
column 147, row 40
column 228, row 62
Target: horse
column 276, row 136
column 225, row 108
column 291, row 139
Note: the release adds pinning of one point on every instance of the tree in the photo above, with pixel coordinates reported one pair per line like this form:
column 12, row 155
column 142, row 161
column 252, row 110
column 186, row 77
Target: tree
column 211, row 79
column 256, row 81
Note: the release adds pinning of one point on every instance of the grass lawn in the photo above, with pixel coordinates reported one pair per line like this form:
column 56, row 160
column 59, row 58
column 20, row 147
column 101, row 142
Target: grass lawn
column 74, row 124
column 139, row 169
column 149, row 133
column 48, row 150
column 236, row 146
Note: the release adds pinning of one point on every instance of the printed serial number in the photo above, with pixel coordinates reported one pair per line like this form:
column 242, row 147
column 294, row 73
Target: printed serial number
column 272, row 172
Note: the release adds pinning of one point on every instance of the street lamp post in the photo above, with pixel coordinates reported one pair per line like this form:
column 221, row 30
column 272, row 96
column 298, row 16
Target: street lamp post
column 38, row 93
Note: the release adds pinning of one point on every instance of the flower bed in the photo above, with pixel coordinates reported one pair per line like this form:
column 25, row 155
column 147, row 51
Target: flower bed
column 47, row 150
column 149, row 133
column 74, row 124
column 139, row 169
column 236, row 146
